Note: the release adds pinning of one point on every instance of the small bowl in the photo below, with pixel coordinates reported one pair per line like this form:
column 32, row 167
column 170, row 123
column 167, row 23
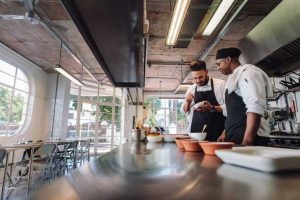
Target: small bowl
column 169, row 138
column 179, row 142
column 210, row 147
column 198, row 136
column 157, row 138
column 191, row 145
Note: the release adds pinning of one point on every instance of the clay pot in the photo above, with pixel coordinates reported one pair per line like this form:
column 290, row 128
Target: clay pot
column 191, row 145
column 210, row 147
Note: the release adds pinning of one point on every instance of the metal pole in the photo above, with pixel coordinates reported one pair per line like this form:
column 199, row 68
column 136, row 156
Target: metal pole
column 113, row 120
column 96, row 123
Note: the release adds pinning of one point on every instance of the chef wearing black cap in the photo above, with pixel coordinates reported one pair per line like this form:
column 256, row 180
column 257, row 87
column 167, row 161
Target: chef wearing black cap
column 246, row 93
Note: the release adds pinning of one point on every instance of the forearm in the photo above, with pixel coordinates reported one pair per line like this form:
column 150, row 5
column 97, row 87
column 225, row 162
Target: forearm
column 186, row 107
column 253, row 123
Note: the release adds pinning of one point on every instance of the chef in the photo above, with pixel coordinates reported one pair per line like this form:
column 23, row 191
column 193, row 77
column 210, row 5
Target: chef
column 210, row 92
column 246, row 94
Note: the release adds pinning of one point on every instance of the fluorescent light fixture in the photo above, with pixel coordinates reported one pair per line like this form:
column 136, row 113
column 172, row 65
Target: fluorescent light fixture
column 68, row 76
column 218, row 16
column 177, row 20
column 182, row 88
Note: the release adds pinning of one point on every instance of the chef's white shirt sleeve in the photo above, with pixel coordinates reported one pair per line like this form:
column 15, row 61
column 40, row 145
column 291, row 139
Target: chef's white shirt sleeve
column 191, row 89
column 252, row 85
column 221, row 97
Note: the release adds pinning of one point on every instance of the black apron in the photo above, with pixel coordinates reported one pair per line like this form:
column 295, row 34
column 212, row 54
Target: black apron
column 236, row 120
column 213, row 120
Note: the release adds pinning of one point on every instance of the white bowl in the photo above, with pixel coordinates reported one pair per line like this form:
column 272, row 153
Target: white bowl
column 198, row 136
column 169, row 138
column 157, row 138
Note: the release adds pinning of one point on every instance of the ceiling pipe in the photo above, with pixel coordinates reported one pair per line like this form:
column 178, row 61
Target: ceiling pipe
column 213, row 40
column 160, row 62
column 64, row 44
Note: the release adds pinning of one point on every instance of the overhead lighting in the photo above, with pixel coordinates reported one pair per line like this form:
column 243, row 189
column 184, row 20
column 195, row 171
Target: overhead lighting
column 177, row 20
column 182, row 88
column 68, row 76
column 218, row 16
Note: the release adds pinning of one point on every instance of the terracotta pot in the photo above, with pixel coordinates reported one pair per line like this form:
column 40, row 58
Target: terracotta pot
column 179, row 142
column 191, row 145
column 210, row 147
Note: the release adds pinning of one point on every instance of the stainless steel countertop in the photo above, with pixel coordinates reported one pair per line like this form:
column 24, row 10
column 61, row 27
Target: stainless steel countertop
column 161, row 171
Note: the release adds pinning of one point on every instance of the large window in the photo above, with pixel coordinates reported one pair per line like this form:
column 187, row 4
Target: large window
column 166, row 113
column 14, row 94
column 83, row 115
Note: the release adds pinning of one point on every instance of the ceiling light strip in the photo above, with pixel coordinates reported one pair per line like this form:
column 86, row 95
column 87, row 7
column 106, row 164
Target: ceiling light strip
column 178, row 16
column 217, row 17
column 69, row 76
column 58, row 37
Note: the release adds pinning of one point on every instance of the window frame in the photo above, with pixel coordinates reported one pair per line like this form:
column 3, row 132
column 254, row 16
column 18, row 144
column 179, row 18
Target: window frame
column 14, row 90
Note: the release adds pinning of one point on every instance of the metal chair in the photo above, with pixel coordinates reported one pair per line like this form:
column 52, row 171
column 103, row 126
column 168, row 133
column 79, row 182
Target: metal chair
column 84, row 151
column 71, row 155
column 42, row 163
column 65, row 158
column 3, row 154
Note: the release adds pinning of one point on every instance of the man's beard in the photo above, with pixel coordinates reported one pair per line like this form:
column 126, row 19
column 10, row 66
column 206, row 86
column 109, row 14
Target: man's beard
column 203, row 83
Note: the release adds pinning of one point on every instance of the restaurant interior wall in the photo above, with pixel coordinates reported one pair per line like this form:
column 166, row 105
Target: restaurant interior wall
column 134, row 114
column 58, row 90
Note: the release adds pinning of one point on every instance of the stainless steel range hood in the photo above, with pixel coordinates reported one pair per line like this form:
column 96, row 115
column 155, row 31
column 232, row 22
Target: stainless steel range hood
column 274, row 44
column 113, row 30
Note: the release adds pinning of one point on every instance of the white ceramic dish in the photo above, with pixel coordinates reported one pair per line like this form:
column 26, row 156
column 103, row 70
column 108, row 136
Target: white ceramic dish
column 267, row 159
column 198, row 136
column 157, row 138
column 169, row 138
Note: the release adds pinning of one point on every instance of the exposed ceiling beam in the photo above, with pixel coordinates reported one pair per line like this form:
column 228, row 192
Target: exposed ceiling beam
column 161, row 62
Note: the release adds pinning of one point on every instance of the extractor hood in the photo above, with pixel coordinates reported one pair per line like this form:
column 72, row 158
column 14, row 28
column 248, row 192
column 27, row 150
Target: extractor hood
column 113, row 30
column 274, row 44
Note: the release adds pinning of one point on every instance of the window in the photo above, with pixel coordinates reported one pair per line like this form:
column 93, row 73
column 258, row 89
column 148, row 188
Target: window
column 166, row 113
column 109, row 121
column 14, row 94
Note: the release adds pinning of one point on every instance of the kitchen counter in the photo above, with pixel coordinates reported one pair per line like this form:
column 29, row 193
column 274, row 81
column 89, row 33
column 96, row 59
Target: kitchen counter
column 162, row 171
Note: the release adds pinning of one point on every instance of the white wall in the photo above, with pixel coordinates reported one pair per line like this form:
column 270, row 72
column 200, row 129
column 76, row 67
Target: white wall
column 38, row 122
column 61, row 105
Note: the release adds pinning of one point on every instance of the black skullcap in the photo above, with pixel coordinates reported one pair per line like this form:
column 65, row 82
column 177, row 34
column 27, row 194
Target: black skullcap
column 228, row 52
column 198, row 65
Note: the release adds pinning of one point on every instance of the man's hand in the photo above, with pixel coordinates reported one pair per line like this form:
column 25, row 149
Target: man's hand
column 222, row 137
column 248, row 140
column 189, row 98
column 206, row 107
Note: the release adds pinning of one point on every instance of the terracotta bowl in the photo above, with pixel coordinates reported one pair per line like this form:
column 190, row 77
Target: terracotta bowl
column 210, row 147
column 191, row 145
column 179, row 142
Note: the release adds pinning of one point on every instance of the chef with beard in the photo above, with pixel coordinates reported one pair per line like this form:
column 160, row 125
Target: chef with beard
column 204, row 102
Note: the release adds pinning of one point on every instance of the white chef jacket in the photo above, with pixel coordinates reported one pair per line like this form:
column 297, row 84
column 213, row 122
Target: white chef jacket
column 219, row 90
column 253, row 85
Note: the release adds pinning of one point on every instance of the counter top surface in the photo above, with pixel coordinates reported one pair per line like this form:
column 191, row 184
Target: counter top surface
column 162, row 171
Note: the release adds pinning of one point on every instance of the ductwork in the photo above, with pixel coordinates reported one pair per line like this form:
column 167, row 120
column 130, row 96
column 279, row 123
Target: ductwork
column 274, row 44
column 114, row 32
